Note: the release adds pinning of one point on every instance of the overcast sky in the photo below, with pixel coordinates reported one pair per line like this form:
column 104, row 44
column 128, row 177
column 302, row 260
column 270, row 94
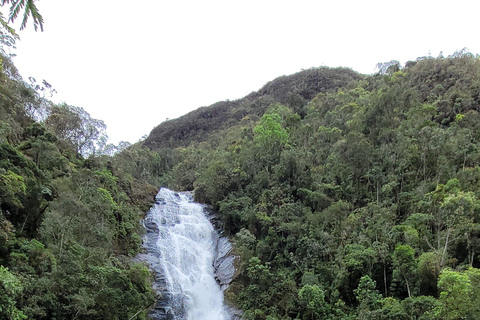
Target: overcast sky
column 133, row 64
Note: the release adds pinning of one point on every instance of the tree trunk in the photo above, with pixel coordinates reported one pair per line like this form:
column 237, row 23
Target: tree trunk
column 445, row 248
column 385, row 279
column 408, row 287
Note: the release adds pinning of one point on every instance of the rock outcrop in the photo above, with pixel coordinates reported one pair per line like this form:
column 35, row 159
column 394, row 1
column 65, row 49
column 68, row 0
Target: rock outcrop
column 224, row 262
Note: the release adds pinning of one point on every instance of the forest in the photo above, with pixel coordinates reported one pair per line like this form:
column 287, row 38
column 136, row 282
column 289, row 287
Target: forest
column 347, row 196
column 357, row 201
column 69, row 223
column 69, row 212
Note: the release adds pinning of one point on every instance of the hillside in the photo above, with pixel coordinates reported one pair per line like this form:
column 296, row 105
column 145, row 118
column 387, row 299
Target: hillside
column 68, row 213
column 294, row 91
column 359, row 201
column 347, row 196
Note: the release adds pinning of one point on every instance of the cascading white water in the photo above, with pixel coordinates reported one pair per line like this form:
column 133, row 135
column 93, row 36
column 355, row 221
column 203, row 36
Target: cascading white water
column 186, row 245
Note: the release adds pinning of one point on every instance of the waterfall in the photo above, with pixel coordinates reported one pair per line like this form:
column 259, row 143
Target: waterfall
column 181, row 244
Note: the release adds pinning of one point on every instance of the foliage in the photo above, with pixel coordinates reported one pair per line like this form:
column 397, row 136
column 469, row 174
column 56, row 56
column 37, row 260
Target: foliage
column 359, row 194
column 348, row 196
column 75, row 126
column 68, row 224
column 457, row 300
column 294, row 91
column 29, row 10
column 312, row 299
column 11, row 289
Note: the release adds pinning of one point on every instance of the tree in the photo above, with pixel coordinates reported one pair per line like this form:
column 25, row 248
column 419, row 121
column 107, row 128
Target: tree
column 10, row 289
column 404, row 263
column 420, row 307
column 455, row 296
column 29, row 9
column 453, row 212
column 389, row 68
column 270, row 137
column 269, row 132
column 367, row 297
column 76, row 126
column 312, row 298
column 11, row 185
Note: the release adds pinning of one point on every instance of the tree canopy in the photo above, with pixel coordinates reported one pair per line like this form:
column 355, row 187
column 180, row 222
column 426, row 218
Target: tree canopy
column 357, row 202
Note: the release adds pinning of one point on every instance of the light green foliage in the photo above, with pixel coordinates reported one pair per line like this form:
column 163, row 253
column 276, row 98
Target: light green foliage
column 367, row 297
column 11, row 185
column 428, row 270
column 455, row 295
column 404, row 263
column 453, row 212
column 270, row 138
column 108, row 180
column 312, row 299
column 269, row 133
column 474, row 277
column 10, row 289
column 107, row 199
column 257, row 271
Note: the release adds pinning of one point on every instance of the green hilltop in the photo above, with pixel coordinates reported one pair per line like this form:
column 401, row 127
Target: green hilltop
column 293, row 91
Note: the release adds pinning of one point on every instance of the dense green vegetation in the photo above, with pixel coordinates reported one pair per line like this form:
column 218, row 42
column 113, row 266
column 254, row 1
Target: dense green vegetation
column 69, row 213
column 356, row 202
column 347, row 196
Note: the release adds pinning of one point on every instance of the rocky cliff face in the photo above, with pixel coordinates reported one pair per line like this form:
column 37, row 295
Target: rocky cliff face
column 224, row 262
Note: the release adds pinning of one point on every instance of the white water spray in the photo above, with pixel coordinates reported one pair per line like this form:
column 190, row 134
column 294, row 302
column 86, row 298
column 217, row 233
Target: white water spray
column 186, row 243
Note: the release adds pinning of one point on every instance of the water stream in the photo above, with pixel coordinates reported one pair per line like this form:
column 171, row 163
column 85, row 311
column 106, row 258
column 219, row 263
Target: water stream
column 182, row 246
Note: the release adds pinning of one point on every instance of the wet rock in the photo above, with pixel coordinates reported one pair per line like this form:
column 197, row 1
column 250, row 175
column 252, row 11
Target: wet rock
column 224, row 263
column 162, row 311
column 235, row 313
column 150, row 226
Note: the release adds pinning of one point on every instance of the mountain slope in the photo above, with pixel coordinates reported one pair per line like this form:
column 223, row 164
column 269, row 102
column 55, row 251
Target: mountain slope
column 294, row 90
column 361, row 203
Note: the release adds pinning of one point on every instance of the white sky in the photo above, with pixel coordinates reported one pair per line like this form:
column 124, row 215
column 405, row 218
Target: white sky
column 133, row 64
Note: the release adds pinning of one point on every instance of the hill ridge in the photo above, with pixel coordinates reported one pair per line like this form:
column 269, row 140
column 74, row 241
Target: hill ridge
column 293, row 90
